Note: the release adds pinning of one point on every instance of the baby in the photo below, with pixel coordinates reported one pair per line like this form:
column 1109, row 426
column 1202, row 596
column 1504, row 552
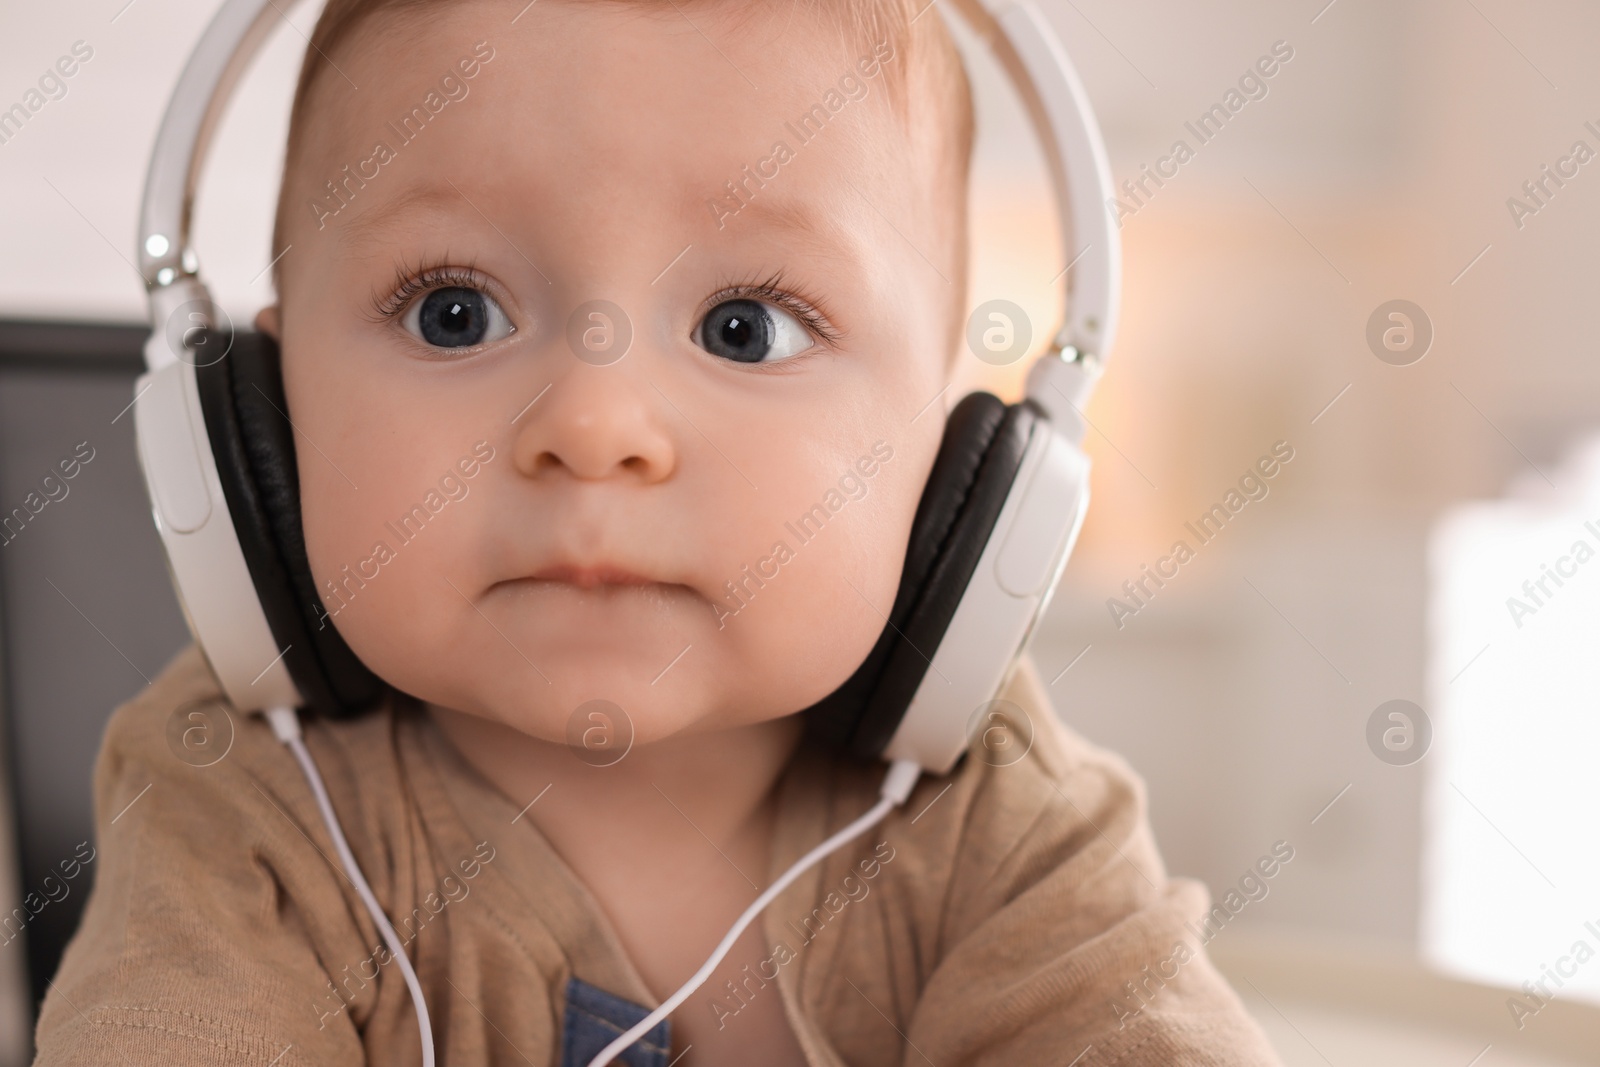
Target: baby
column 585, row 306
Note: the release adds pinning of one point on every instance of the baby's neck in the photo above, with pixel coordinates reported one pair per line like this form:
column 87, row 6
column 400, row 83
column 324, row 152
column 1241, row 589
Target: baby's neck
column 665, row 803
column 673, row 840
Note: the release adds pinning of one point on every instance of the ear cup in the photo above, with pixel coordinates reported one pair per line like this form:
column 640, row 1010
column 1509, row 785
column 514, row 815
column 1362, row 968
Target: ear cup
column 253, row 444
column 978, row 460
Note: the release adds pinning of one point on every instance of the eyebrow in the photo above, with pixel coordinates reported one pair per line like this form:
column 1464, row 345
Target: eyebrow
column 360, row 233
column 817, row 230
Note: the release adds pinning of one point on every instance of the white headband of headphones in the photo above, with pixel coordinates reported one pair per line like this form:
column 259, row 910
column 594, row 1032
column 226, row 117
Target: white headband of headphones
column 1017, row 34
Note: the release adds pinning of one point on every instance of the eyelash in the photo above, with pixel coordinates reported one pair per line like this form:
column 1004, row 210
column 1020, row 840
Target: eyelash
column 410, row 283
column 775, row 290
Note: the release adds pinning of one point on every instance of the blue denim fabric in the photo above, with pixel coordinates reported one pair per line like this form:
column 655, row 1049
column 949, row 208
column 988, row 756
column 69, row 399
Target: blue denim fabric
column 595, row 1018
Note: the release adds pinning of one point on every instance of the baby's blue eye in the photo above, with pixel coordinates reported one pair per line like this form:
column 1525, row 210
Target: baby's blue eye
column 456, row 317
column 750, row 331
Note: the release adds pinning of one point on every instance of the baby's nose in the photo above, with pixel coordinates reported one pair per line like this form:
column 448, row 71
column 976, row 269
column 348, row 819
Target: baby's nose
column 596, row 423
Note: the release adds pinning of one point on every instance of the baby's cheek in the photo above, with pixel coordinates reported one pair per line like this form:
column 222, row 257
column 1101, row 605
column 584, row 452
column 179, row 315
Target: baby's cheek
column 809, row 627
column 380, row 559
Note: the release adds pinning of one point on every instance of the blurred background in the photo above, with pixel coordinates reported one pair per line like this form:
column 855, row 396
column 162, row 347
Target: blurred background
column 1443, row 846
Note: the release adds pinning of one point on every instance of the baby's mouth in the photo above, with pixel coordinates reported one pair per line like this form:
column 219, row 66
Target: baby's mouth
column 589, row 577
column 594, row 581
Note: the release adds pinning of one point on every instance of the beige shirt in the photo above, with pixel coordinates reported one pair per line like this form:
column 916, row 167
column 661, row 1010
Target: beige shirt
column 1013, row 915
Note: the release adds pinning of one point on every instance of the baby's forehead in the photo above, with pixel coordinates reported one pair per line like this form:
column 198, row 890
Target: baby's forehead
column 602, row 85
column 743, row 115
column 776, row 46
column 826, row 36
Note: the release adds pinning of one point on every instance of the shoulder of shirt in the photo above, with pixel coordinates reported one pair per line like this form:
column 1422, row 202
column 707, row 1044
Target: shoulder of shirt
column 1034, row 756
column 1039, row 802
column 182, row 728
column 1042, row 755
column 1065, row 748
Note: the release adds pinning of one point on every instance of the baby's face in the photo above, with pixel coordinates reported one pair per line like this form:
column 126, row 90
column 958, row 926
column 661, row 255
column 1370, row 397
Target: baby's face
column 706, row 531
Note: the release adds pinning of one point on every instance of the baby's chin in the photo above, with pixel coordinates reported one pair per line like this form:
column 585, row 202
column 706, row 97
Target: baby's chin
column 612, row 663
column 607, row 638
column 600, row 703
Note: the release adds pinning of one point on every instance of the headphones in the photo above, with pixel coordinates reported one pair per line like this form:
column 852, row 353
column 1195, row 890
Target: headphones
column 998, row 518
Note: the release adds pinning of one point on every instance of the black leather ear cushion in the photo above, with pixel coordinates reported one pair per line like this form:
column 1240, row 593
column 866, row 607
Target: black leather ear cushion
column 252, row 441
column 978, row 460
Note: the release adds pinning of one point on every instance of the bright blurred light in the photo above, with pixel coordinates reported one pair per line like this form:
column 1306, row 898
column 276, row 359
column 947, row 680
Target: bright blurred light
column 1511, row 875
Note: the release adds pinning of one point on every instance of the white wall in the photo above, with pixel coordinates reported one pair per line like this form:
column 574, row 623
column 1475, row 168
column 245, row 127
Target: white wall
column 71, row 179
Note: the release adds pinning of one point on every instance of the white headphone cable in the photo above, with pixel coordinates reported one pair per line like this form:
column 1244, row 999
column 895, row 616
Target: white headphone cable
column 903, row 774
column 286, row 725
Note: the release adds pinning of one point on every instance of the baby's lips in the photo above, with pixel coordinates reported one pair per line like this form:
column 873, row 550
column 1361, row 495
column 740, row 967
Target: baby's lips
column 590, row 575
